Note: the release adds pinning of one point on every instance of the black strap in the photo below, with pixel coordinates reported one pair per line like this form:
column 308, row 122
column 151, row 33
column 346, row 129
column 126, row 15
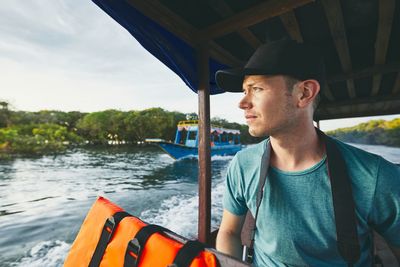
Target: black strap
column 343, row 204
column 134, row 249
column 187, row 253
column 249, row 252
column 106, row 234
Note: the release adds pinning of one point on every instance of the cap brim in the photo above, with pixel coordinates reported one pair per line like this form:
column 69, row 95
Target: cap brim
column 230, row 80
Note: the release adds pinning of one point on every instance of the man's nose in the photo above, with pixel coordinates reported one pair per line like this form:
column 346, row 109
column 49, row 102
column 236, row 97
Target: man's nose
column 245, row 102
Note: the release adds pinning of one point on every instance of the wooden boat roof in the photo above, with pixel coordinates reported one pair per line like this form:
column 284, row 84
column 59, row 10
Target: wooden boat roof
column 360, row 41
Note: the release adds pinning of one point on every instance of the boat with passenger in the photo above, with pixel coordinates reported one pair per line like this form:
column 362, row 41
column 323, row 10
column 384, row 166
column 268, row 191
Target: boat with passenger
column 196, row 46
column 223, row 141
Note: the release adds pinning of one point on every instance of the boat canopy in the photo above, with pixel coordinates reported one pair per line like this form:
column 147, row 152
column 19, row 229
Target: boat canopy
column 224, row 130
column 193, row 124
column 358, row 38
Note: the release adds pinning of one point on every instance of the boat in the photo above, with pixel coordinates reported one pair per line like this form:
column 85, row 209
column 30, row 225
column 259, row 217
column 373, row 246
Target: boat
column 224, row 141
column 363, row 76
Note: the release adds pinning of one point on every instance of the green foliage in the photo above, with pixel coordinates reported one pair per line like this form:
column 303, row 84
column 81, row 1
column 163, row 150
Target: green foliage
column 100, row 127
column 378, row 132
column 53, row 131
column 36, row 139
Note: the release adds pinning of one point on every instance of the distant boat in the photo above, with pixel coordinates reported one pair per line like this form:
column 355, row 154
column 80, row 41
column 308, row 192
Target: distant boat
column 223, row 141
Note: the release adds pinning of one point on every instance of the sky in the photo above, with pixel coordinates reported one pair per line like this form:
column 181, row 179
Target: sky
column 69, row 55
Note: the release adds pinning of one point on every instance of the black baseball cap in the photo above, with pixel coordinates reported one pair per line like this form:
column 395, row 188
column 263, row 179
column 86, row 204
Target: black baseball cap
column 284, row 57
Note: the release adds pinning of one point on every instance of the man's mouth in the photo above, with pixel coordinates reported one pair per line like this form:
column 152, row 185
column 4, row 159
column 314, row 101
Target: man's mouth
column 250, row 117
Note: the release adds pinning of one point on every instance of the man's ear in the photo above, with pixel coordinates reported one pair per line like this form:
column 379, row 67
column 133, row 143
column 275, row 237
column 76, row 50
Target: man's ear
column 308, row 90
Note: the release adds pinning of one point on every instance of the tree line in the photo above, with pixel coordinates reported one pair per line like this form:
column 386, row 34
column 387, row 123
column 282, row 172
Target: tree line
column 51, row 130
column 374, row 132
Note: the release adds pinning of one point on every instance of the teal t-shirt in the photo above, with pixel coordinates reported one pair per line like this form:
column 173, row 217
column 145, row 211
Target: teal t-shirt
column 296, row 225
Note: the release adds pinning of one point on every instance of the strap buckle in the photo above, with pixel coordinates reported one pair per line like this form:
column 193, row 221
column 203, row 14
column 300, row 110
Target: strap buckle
column 248, row 254
column 134, row 248
column 109, row 225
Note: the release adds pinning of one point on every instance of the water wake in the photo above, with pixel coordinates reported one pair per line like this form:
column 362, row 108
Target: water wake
column 46, row 253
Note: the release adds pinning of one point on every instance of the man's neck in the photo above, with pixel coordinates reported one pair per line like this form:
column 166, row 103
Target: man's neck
column 296, row 149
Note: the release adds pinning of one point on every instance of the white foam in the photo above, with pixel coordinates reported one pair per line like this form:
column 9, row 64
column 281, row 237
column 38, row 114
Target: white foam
column 179, row 213
column 219, row 157
column 46, row 253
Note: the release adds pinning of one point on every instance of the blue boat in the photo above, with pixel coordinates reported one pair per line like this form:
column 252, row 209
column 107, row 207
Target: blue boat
column 223, row 141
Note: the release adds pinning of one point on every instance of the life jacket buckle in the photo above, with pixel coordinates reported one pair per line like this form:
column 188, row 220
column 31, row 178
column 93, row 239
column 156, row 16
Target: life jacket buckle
column 134, row 248
column 109, row 225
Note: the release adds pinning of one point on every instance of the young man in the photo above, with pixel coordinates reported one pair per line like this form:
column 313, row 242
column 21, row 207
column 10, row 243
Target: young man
column 296, row 221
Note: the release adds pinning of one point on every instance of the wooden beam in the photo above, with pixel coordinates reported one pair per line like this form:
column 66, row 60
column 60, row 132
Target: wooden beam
column 334, row 15
column 351, row 89
column 223, row 56
column 179, row 27
column 328, row 93
column 362, row 111
column 166, row 18
column 357, row 74
column 249, row 17
column 225, row 11
column 386, row 13
column 365, row 100
column 396, row 87
column 292, row 26
column 204, row 149
column 367, row 106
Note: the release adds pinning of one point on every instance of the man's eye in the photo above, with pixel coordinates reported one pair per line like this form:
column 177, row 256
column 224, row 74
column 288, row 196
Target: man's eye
column 256, row 89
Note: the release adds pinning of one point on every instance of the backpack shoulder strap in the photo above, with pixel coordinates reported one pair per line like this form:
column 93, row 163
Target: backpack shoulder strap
column 343, row 203
column 264, row 165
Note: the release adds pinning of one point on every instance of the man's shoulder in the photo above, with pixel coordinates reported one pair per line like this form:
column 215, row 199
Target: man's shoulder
column 361, row 161
column 351, row 152
column 250, row 155
column 254, row 150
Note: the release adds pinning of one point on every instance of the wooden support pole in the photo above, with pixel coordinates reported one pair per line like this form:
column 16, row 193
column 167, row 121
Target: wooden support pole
column 204, row 223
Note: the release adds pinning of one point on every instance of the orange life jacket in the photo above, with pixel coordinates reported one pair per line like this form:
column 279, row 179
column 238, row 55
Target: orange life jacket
column 107, row 238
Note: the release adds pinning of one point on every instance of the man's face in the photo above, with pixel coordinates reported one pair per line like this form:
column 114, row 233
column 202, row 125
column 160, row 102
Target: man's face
column 268, row 105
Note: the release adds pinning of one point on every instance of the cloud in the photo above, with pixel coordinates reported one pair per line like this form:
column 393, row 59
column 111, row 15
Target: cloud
column 71, row 55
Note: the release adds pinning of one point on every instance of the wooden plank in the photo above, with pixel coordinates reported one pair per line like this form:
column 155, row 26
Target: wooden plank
column 292, row 26
column 365, row 100
column 223, row 56
column 361, row 110
column 386, row 13
column 351, row 88
column 396, row 87
column 328, row 93
column 179, row 27
column 333, row 12
column 166, row 18
column 367, row 106
column 225, row 11
column 204, row 223
column 249, row 17
column 357, row 74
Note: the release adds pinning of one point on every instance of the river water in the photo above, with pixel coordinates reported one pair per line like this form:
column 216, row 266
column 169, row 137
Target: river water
column 43, row 200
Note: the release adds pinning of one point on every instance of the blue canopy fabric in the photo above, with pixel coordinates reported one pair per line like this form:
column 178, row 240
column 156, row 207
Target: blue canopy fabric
column 174, row 52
